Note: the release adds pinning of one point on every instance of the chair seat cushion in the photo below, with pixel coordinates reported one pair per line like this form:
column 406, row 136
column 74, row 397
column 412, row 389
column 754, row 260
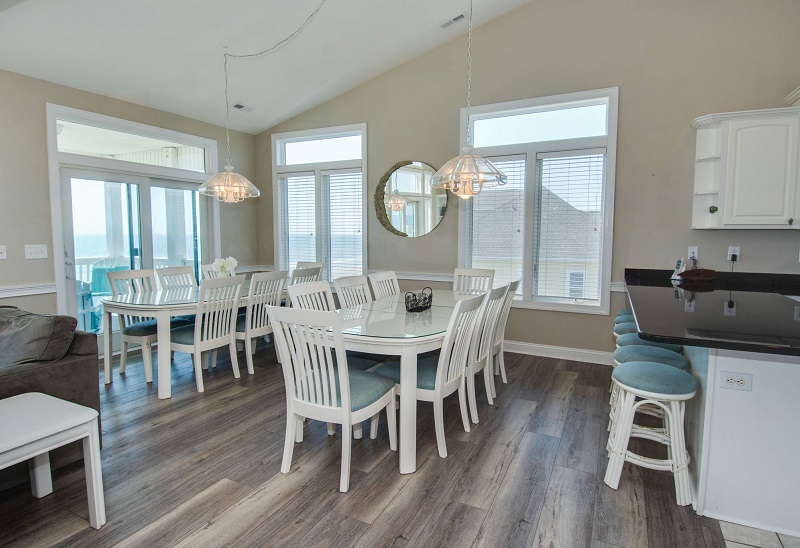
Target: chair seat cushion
column 361, row 362
column 654, row 377
column 633, row 338
column 625, row 312
column 426, row 371
column 624, row 328
column 624, row 319
column 241, row 322
column 377, row 358
column 146, row 328
column 641, row 353
column 183, row 334
column 365, row 388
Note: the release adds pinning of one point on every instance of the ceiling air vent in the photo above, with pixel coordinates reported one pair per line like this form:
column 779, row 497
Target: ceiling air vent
column 242, row 108
column 449, row 22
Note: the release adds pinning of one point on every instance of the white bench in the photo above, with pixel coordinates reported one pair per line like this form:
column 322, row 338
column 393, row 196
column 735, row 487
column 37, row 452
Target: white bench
column 32, row 424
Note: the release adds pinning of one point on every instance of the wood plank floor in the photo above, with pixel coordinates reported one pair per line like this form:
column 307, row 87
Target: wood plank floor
column 204, row 470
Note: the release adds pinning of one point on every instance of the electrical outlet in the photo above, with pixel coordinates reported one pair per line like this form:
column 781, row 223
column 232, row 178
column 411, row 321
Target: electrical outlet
column 730, row 308
column 694, row 251
column 38, row 251
column 3, row 252
column 734, row 249
column 688, row 306
column 736, row 381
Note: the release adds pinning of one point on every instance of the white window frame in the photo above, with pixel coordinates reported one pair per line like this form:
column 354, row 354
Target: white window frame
column 609, row 96
column 57, row 160
column 319, row 170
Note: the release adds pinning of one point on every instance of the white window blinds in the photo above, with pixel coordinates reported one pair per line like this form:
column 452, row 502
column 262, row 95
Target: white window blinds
column 497, row 224
column 299, row 222
column 345, row 236
column 568, row 245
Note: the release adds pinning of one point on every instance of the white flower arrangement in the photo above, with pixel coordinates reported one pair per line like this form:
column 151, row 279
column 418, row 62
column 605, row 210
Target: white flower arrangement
column 225, row 267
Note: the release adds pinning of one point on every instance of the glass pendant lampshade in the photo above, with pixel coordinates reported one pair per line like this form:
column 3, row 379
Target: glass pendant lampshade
column 396, row 201
column 229, row 187
column 466, row 175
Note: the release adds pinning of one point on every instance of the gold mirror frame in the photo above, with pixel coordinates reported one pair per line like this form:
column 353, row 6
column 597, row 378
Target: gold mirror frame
column 380, row 196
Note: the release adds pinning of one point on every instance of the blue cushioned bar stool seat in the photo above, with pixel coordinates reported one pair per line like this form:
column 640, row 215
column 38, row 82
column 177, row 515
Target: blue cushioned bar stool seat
column 625, row 328
column 641, row 353
column 651, row 384
column 625, row 312
column 633, row 338
column 624, row 319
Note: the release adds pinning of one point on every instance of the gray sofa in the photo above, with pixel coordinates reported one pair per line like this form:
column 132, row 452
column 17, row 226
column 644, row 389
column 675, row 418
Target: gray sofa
column 44, row 353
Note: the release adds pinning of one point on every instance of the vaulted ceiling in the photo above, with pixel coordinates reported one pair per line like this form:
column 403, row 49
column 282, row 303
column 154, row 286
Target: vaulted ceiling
column 168, row 55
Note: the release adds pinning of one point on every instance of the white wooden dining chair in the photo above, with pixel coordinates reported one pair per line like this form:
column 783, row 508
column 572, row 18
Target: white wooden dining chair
column 176, row 276
column 266, row 289
column 303, row 276
column 321, row 386
column 309, row 264
column 134, row 329
column 209, row 273
column 214, row 326
column 440, row 375
column 498, row 362
column 352, row 290
column 467, row 280
column 384, row 284
column 480, row 351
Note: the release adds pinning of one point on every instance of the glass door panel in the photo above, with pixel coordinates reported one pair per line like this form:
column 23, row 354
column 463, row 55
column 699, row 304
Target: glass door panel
column 175, row 215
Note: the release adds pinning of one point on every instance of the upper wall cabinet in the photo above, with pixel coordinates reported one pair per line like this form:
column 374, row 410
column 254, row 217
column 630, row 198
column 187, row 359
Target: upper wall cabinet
column 746, row 170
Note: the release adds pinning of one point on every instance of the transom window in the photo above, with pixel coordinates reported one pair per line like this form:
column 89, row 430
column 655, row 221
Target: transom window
column 319, row 199
column 551, row 224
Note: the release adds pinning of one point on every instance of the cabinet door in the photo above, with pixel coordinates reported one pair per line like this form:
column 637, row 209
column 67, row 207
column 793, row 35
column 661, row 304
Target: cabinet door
column 761, row 177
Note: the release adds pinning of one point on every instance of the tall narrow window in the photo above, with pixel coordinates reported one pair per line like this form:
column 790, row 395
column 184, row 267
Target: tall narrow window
column 320, row 199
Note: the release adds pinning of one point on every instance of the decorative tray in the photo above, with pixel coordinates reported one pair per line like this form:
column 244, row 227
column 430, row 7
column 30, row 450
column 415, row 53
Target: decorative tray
column 417, row 302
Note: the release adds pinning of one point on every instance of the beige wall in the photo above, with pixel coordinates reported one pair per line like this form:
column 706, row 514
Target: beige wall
column 24, row 182
column 673, row 61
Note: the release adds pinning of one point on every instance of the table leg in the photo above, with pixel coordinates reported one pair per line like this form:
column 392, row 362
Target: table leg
column 107, row 335
column 408, row 410
column 94, row 476
column 164, row 355
column 41, row 480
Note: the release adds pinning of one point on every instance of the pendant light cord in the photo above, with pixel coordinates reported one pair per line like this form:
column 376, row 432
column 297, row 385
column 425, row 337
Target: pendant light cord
column 469, row 74
column 227, row 109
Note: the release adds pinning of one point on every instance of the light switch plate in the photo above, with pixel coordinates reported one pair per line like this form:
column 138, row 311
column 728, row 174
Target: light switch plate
column 730, row 310
column 3, row 252
column 38, row 251
column 694, row 251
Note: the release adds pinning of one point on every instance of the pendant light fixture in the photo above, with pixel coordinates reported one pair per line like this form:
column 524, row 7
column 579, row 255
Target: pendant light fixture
column 466, row 175
column 396, row 201
column 228, row 186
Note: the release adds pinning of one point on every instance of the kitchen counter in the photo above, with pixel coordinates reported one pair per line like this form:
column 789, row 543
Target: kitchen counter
column 741, row 427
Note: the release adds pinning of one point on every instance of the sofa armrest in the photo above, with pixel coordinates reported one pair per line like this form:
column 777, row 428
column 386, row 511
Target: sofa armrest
column 83, row 344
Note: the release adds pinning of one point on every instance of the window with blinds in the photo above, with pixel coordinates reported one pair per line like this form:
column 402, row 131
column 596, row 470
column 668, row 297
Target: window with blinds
column 345, row 232
column 551, row 224
column 300, row 220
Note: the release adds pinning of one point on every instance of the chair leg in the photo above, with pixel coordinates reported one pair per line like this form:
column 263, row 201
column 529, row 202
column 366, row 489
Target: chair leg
column 147, row 360
column 123, row 358
column 331, row 429
column 462, row 403
column 438, row 420
column 344, row 482
column 488, row 381
column 503, row 367
column 680, row 457
column 391, row 422
column 357, row 431
column 491, row 367
column 198, row 370
column 621, row 435
column 298, row 436
column 288, row 444
column 473, row 403
column 234, row 360
column 206, row 360
column 373, row 426
column 249, row 357
column 213, row 363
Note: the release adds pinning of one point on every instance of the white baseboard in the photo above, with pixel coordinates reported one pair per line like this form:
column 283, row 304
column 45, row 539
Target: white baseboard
column 26, row 290
column 559, row 352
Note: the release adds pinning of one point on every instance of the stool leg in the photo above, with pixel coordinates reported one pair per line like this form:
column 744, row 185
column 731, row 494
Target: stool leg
column 680, row 457
column 41, row 480
column 620, row 436
column 94, row 477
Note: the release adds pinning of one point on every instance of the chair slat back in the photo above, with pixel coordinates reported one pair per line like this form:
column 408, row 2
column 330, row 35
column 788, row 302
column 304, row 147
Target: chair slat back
column 352, row 290
column 309, row 264
column 130, row 282
column 466, row 280
column 500, row 330
column 312, row 296
column 266, row 289
column 217, row 305
column 310, row 345
column 486, row 324
column 384, row 284
column 209, row 273
column 455, row 349
column 176, row 276
column 304, row 275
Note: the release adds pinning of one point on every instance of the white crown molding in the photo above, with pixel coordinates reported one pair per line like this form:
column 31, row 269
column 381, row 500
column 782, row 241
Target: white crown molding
column 744, row 115
column 7, row 291
column 559, row 352
column 794, row 97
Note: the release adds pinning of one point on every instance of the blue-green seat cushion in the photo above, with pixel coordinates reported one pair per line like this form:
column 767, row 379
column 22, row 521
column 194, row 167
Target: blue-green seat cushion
column 625, row 312
column 426, row 371
column 624, row 319
column 361, row 362
column 654, row 377
column 146, row 328
column 186, row 318
column 624, row 328
column 241, row 322
column 365, row 388
column 633, row 338
column 641, row 353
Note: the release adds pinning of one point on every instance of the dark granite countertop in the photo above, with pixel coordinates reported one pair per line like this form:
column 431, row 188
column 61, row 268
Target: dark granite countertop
column 764, row 316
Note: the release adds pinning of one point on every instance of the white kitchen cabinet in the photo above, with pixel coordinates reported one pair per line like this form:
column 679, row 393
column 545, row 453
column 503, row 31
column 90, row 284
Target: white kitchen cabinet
column 746, row 170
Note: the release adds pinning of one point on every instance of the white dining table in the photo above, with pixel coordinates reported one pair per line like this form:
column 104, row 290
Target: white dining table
column 379, row 327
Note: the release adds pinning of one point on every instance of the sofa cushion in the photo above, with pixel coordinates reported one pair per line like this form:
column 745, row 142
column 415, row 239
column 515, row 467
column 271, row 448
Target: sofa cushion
column 27, row 337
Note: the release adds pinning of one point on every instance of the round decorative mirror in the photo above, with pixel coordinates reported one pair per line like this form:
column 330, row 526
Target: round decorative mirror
column 405, row 203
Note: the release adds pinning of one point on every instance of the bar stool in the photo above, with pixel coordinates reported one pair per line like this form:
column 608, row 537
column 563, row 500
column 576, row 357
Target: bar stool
column 633, row 339
column 625, row 328
column 625, row 312
column 624, row 319
column 648, row 383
